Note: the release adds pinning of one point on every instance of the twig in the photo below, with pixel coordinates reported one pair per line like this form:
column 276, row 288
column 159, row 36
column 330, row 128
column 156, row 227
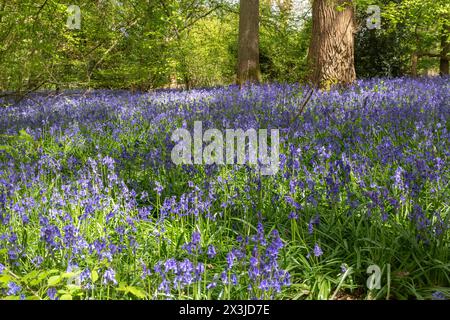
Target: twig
column 303, row 105
column 26, row 286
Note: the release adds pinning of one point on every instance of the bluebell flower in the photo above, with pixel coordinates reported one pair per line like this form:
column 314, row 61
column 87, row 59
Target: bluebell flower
column 195, row 237
column 145, row 271
column 317, row 250
column 85, row 275
column 438, row 295
column 234, row 279
column 286, row 279
column 170, row 265
column 224, row 277
column 158, row 268
column 159, row 188
column 51, row 293
column 108, row 162
column 314, row 221
column 199, row 270
column 253, row 261
column 230, row 259
column 213, row 283
column 109, row 277
column 13, row 289
column 37, row 261
column 211, row 251
column 264, row 285
column 293, row 216
column 164, row 286
column 185, row 266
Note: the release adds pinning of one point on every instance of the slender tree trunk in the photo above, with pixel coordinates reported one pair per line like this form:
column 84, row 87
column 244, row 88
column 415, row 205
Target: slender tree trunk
column 414, row 61
column 445, row 50
column 331, row 50
column 248, row 55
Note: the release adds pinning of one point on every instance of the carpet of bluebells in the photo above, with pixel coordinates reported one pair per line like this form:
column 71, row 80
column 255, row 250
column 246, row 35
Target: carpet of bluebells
column 92, row 206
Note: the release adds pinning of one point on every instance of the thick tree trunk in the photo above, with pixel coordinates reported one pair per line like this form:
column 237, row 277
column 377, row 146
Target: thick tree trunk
column 331, row 51
column 248, row 55
column 445, row 50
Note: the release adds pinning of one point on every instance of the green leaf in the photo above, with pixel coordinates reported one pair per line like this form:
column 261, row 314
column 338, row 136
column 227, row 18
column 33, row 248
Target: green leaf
column 23, row 135
column 324, row 289
column 94, row 276
column 30, row 275
column 69, row 275
column 66, row 297
column 73, row 287
column 139, row 293
column 54, row 280
column 39, row 278
column 52, row 271
column 5, row 278
column 7, row 149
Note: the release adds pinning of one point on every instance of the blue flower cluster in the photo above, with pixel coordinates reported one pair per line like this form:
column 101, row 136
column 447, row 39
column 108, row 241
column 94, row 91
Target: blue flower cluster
column 89, row 182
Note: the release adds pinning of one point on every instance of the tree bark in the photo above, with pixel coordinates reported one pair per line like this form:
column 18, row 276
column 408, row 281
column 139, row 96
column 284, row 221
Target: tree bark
column 443, row 58
column 414, row 61
column 331, row 50
column 248, row 55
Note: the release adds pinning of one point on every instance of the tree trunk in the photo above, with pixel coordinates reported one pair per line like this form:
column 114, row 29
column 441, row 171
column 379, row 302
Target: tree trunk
column 331, row 50
column 248, row 55
column 445, row 50
column 414, row 61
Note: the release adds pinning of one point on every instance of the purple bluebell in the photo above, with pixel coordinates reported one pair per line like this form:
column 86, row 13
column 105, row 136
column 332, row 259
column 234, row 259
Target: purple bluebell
column 317, row 250
column 211, row 251
column 13, row 289
column 109, row 277
column 438, row 295
column 293, row 216
column 51, row 293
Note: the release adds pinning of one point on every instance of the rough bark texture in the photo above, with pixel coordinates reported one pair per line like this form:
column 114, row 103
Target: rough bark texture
column 248, row 56
column 331, row 51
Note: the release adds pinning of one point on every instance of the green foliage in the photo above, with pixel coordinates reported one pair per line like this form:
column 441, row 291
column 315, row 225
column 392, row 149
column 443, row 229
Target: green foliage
column 347, row 233
column 141, row 45
column 284, row 45
column 380, row 52
column 408, row 26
